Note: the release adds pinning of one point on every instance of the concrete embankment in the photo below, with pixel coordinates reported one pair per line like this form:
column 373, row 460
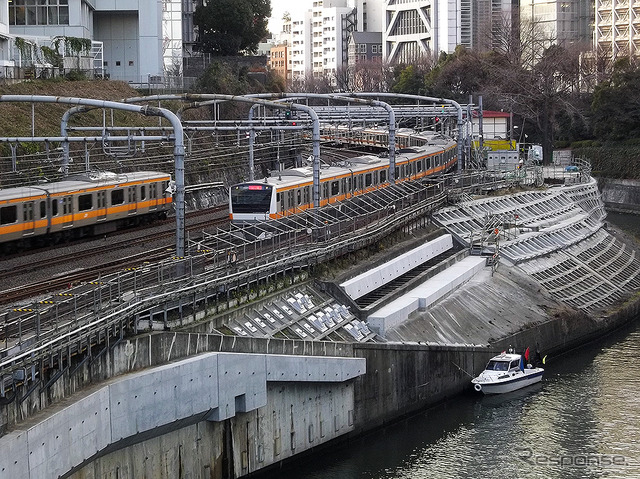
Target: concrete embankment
column 620, row 196
column 563, row 280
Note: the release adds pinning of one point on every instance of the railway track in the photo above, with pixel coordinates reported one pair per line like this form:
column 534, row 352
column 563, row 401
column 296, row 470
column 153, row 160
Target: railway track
column 117, row 255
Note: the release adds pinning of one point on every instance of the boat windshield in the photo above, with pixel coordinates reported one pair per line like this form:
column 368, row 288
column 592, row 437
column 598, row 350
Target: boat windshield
column 498, row 365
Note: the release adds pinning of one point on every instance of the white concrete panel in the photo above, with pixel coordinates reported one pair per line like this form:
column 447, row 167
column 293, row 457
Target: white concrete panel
column 242, row 376
column 163, row 395
column 150, row 24
column 106, row 4
column 14, row 459
column 150, row 62
column 398, row 311
column 376, row 277
column 313, row 368
column 70, row 436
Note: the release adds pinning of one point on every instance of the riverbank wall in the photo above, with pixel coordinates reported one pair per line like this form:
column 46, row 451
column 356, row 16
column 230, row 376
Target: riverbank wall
column 620, row 196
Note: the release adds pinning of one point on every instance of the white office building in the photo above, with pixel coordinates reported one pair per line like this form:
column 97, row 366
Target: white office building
column 129, row 41
column 562, row 22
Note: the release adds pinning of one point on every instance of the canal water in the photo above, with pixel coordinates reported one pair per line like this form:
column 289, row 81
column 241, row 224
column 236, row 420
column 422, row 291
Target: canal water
column 582, row 421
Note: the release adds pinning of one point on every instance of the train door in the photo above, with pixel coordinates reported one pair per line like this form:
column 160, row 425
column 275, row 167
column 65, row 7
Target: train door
column 28, row 218
column 132, row 200
column 67, row 211
column 44, row 215
column 153, row 196
column 142, row 196
column 101, row 205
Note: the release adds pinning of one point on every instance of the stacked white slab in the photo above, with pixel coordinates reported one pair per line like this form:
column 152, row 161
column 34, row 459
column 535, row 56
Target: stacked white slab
column 380, row 275
column 424, row 295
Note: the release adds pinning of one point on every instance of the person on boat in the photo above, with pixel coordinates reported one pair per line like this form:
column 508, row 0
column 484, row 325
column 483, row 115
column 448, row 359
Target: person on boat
column 537, row 359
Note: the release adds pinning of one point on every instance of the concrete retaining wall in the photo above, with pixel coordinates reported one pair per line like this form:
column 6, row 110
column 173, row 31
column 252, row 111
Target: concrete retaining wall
column 620, row 195
column 380, row 275
column 213, row 386
column 403, row 379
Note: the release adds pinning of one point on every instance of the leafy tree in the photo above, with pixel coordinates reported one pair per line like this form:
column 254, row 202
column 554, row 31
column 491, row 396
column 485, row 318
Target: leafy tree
column 616, row 104
column 410, row 80
column 229, row 27
column 457, row 75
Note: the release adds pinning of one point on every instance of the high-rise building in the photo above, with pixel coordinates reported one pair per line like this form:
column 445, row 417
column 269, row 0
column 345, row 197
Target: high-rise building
column 410, row 30
column 561, row 22
column 422, row 27
column 617, row 27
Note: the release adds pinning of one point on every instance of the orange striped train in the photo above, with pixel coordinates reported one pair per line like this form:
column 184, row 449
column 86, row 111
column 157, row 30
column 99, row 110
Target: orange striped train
column 289, row 191
column 97, row 203
column 375, row 137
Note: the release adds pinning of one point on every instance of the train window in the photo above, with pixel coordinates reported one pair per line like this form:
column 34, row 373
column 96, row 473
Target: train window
column 367, row 180
column 66, row 205
column 419, row 165
column 54, row 208
column 290, row 203
column 335, row 188
column 143, row 192
column 153, row 190
column 117, row 197
column 27, row 211
column 8, row 215
column 298, row 196
column 397, row 172
column 325, row 190
column 307, row 195
column 101, row 199
column 43, row 209
column 132, row 194
column 383, row 176
column 349, row 184
column 85, row 202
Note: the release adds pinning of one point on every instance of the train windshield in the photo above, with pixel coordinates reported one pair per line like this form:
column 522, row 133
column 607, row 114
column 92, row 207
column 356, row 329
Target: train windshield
column 248, row 198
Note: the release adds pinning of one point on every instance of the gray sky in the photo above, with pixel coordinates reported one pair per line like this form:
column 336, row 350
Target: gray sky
column 278, row 7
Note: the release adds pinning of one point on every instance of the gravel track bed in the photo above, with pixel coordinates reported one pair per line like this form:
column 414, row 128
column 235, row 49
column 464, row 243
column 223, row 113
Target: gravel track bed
column 49, row 271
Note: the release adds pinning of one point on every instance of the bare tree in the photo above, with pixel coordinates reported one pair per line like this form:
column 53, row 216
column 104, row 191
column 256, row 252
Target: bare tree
column 311, row 83
column 373, row 76
column 344, row 78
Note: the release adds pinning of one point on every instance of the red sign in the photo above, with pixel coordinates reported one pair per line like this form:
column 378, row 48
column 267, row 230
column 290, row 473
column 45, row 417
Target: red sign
column 255, row 187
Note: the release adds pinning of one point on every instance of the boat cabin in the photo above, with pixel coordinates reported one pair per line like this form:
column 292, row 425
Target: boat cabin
column 506, row 362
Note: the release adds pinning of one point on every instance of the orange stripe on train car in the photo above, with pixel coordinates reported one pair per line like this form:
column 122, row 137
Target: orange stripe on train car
column 58, row 220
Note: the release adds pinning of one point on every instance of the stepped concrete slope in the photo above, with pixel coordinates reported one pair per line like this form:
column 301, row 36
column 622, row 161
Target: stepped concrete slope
column 423, row 296
column 554, row 253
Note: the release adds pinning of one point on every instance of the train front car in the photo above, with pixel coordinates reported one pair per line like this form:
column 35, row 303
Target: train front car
column 251, row 202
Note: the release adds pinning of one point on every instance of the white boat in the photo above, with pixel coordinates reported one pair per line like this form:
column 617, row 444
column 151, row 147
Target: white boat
column 505, row 373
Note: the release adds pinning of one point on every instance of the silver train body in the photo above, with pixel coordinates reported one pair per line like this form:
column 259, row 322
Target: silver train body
column 83, row 206
column 289, row 192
